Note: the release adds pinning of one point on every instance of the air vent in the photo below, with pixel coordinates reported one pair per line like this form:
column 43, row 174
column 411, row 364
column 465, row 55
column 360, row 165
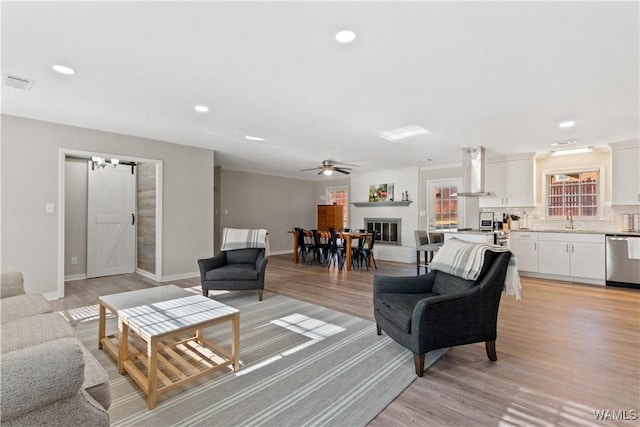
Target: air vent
column 18, row 82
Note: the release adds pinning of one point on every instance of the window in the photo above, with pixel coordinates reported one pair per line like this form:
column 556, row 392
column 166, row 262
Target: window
column 443, row 204
column 573, row 193
column 340, row 196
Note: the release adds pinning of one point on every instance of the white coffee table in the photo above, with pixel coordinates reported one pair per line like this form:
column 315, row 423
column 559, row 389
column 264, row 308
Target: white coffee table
column 171, row 328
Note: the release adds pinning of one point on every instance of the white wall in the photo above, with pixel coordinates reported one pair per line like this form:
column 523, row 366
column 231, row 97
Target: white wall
column 403, row 180
column 30, row 175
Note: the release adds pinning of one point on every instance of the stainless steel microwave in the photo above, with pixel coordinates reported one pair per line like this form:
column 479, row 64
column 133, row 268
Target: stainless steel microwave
column 486, row 221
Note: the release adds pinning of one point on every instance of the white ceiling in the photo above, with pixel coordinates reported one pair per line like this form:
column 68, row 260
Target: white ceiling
column 497, row 74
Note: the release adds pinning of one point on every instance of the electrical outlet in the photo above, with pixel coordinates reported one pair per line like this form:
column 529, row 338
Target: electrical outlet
column 612, row 217
column 74, row 260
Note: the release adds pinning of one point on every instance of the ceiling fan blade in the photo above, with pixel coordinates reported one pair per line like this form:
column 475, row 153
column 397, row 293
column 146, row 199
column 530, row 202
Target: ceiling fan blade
column 321, row 172
column 311, row 169
column 345, row 171
column 346, row 164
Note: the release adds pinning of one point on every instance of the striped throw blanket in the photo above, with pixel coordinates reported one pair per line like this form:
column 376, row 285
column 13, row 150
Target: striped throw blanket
column 465, row 259
column 241, row 238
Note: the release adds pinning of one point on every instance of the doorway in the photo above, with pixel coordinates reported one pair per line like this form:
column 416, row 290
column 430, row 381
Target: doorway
column 71, row 250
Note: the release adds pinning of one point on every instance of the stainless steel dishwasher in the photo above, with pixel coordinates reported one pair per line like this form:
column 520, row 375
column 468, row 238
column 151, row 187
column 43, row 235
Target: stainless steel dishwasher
column 623, row 260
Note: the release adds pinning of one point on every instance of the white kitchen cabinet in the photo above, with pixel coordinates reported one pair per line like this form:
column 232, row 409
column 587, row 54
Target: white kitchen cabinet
column 524, row 246
column 577, row 256
column 511, row 181
column 625, row 176
column 554, row 257
column 587, row 260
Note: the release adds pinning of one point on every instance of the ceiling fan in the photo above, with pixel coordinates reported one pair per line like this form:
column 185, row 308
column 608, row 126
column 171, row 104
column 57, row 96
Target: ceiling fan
column 329, row 166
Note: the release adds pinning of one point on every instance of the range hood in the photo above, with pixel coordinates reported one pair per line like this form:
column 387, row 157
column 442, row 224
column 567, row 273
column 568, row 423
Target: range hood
column 473, row 173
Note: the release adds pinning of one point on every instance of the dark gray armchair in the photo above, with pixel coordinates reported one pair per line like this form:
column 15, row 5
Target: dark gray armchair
column 239, row 269
column 438, row 310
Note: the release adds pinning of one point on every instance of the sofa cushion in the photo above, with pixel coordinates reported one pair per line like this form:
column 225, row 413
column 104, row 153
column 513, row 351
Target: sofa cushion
column 398, row 308
column 11, row 284
column 96, row 380
column 233, row 272
column 34, row 330
column 20, row 306
column 40, row 375
column 243, row 256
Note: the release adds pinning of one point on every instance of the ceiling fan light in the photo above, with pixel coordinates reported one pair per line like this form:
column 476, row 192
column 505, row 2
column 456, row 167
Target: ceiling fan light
column 328, row 172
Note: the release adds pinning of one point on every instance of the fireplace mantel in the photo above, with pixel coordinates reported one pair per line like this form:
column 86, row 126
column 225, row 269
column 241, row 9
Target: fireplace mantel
column 371, row 204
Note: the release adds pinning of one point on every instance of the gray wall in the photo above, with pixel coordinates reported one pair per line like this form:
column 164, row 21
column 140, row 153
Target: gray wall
column 249, row 200
column 30, row 163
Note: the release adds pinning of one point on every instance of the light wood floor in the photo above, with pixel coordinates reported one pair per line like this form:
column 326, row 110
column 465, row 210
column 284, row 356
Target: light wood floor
column 564, row 350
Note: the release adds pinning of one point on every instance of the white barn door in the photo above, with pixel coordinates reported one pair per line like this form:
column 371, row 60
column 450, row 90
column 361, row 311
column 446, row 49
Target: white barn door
column 111, row 221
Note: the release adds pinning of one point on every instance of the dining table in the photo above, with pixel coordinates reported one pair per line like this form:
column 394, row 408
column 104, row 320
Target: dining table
column 346, row 236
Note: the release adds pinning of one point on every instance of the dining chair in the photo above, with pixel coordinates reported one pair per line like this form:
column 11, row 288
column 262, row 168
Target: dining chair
column 304, row 249
column 335, row 252
column 366, row 253
column 320, row 248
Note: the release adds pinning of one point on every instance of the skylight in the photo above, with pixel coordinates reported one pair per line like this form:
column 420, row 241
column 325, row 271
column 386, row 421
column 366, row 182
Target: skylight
column 398, row 134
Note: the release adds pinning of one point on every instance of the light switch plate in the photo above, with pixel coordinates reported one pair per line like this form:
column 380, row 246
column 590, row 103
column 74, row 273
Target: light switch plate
column 49, row 208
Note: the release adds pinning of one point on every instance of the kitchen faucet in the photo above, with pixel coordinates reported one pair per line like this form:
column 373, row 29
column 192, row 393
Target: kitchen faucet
column 569, row 223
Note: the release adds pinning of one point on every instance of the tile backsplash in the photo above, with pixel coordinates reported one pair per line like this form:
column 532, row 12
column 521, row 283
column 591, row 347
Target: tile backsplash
column 611, row 223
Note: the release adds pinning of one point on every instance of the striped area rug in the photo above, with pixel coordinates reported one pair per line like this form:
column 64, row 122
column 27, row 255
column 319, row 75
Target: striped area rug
column 301, row 365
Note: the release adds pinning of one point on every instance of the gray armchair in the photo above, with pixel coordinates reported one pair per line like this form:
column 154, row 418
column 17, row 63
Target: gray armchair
column 439, row 310
column 239, row 269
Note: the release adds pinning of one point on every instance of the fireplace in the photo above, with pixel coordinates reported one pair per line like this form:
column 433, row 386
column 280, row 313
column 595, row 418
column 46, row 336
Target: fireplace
column 387, row 229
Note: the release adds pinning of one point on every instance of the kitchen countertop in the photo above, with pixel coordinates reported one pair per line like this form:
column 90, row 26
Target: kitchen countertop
column 577, row 231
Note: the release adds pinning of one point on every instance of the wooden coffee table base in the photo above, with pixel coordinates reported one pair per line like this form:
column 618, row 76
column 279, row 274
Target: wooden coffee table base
column 160, row 341
column 173, row 360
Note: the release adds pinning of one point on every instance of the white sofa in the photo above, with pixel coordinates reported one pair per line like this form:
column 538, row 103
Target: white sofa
column 47, row 376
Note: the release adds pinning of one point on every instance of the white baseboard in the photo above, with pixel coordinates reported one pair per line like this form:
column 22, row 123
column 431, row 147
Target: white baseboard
column 73, row 277
column 281, row 252
column 179, row 276
column 146, row 274
column 51, row 296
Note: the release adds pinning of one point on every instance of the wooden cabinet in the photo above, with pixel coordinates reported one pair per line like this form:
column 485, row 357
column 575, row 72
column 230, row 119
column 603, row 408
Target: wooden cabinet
column 511, row 181
column 524, row 246
column 330, row 216
column 625, row 176
column 579, row 256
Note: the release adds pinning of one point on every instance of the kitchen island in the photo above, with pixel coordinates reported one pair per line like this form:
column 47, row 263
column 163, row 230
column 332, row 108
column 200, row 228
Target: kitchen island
column 475, row 236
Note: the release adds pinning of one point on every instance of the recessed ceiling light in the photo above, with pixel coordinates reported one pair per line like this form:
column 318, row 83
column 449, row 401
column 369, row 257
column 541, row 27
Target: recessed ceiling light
column 62, row 69
column 253, row 138
column 201, row 108
column 345, row 36
column 567, row 124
